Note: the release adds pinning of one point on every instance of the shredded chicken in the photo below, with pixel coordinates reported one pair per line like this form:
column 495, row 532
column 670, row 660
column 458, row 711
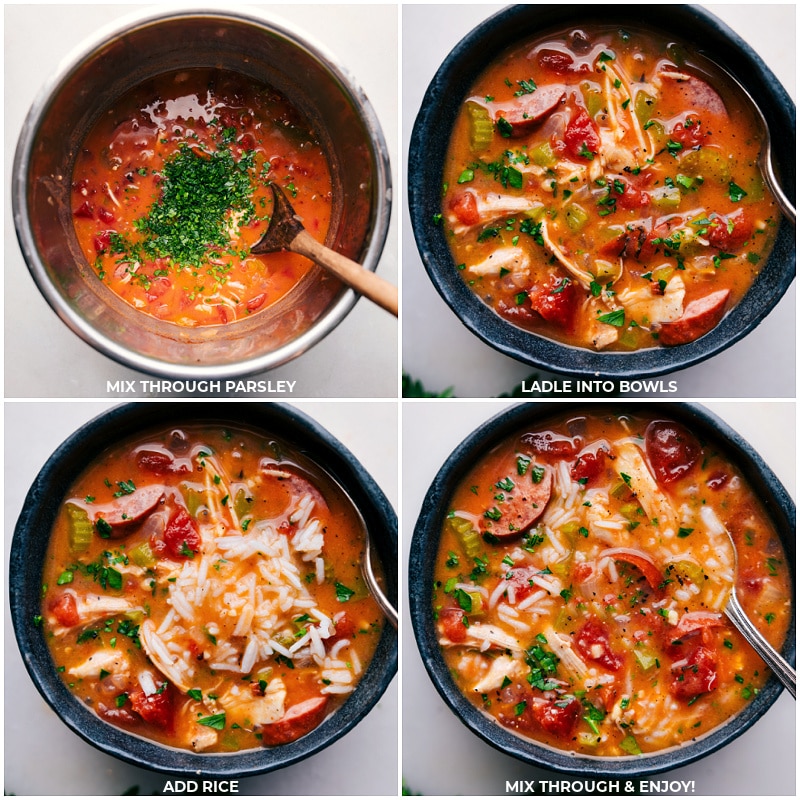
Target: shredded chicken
column 581, row 275
column 501, row 668
column 647, row 308
column 655, row 503
column 561, row 645
column 514, row 259
column 112, row 661
column 259, row 709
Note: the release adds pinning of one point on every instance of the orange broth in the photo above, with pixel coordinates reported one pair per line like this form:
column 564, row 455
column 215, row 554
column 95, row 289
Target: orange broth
column 121, row 175
column 585, row 611
column 603, row 191
column 276, row 641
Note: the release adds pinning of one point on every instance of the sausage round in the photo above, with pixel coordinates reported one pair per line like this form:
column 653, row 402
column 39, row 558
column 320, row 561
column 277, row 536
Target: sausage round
column 299, row 720
column 698, row 318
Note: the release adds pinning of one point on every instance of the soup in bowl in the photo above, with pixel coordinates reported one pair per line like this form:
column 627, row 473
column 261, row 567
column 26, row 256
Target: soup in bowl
column 580, row 568
column 201, row 604
column 600, row 204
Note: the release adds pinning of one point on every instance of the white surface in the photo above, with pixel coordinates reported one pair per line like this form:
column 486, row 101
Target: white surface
column 441, row 352
column 43, row 757
column 45, row 359
column 442, row 756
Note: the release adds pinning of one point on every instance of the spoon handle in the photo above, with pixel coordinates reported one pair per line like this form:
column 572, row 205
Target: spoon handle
column 782, row 669
column 772, row 181
column 354, row 275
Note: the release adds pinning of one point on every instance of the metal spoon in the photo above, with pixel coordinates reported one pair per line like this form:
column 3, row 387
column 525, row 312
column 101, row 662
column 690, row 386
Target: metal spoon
column 773, row 659
column 765, row 153
column 286, row 232
column 372, row 582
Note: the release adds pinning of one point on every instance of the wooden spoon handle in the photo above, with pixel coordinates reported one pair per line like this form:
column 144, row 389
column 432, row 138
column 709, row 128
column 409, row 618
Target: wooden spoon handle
column 354, row 275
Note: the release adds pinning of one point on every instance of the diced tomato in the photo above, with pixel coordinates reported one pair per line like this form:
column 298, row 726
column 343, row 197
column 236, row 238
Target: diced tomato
column 104, row 215
column 247, row 142
column 181, row 535
column 650, row 241
column 224, row 313
column 671, row 450
column 256, row 302
column 102, row 241
column 588, row 466
column 751, row 580
column 519, row 578
column 690, row 133
column 729, row 232
column 631, row 197
column 557, row 302
column 697, row 676
column 81, row 186
column 557, row 718
column 345, row 628
column 593, row 643
column 156, row 709
column 158, row 287
column 65, row 609
column 582, row 572
column 85, row 210
column 452, row 620
column 718, row 480
column 556, row 61
column 581, row 136
column 547, row 443
column 698, row 621
column 465, row 207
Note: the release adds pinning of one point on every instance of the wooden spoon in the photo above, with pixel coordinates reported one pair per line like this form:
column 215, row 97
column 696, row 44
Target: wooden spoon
column 286, row 232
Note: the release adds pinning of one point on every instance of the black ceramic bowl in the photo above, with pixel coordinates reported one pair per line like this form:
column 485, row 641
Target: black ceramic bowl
column 428, row 149
column 32, row 534
column 424, row 548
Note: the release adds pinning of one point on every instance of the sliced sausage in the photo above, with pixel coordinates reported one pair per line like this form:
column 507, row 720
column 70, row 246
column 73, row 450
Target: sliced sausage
column 524, row 113
column 698, row 96
column 131, row 509
column 520, row 509
column 299, row 720
column 671, row 449
column 698, row 318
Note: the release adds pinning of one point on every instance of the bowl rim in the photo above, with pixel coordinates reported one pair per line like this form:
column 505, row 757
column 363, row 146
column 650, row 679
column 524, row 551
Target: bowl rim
column 268, row 23
column 424, row 545
column 426, row 160
column 121, row 422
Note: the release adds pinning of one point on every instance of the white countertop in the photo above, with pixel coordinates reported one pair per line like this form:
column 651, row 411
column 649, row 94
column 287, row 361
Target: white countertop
column 441, row 352
column 43, row 757
column 45, row 359
column 441, row 756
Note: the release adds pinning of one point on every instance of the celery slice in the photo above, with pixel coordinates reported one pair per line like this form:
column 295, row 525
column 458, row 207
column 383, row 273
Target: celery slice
column 666, row 197
column 577, row 217
column 80, row 528
column 630, row 745
column 543, row 156
column 481, row 129
column 644, row 106
column 468, row 537
column 142, row 555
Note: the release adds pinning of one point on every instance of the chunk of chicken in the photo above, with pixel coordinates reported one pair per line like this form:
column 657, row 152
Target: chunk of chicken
column 514, row 259
column 647, row 308
column 113, row 661
column 655, row 503
column 501, row 668
column 258, row 709
column 169, row 666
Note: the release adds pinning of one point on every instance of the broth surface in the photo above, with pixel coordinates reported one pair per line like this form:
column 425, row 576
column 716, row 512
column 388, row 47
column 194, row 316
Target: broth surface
column 581, row 579
column 602, row 190
column 203, row 588
column 170, row 191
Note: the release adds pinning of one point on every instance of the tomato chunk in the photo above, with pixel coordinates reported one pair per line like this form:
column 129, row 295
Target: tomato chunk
column 697, row 676
column 465, row 208
column 557, row 302
column 581, row 136
column 593, row 643
column 731, row 231
column 452, row 623
column 557, row 718
column 547, row 443
column 588, row 467
column 671, row 450
column 689, row 133
column 157, row 709
column 180, row 536
column 65, row 609
column 85, row 210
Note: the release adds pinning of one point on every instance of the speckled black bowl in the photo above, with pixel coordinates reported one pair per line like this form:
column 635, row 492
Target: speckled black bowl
column 31, row 537
column 425, row 544
column 428, row 149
